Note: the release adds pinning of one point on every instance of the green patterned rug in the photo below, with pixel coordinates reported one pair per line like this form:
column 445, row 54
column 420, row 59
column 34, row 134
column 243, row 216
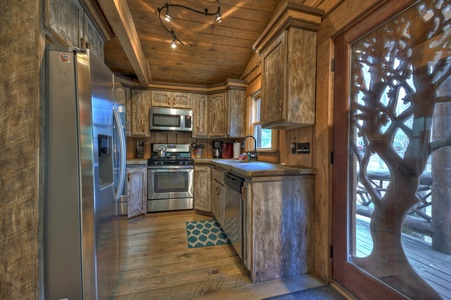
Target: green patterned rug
column 205, row 233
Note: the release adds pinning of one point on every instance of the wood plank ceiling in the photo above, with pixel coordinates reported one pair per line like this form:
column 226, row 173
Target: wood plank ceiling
column 212, row 52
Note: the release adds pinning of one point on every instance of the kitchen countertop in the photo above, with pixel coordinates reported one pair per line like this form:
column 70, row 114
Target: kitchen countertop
column 136, row 161
column 255, row 168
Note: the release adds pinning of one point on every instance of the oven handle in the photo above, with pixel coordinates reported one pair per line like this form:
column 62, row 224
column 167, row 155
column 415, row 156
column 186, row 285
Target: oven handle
column 168, row 167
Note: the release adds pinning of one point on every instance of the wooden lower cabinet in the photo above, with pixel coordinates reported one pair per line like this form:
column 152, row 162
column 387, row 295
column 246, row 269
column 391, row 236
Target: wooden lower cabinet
column 137, row 190
column 218, row 201
column 278, row 225
column 218, row 196
column 202, row 188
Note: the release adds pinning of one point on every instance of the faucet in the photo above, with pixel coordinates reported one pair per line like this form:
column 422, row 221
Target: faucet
column 252, row 156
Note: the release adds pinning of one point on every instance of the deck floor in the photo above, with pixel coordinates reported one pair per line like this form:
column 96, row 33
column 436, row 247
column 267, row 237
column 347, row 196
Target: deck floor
column 434, row 267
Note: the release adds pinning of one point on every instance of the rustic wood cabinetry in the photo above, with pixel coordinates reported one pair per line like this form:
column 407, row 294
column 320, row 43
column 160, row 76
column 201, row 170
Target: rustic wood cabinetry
column 200, row 115
column 122, row 95
column 227, row 114
column 140, row 104
column 202, row 188
column 236, row 113
column 69, row 24
column 137, row 190
column 288, row 80
column 278, row 226
column 216, row 115
column 218, row 196
column 171, row 99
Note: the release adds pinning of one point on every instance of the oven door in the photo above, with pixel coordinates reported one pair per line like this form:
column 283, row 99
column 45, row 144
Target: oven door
column 169, row 188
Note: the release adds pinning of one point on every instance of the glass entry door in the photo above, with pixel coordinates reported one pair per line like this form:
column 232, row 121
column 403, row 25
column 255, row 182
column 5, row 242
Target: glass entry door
column 392, row 212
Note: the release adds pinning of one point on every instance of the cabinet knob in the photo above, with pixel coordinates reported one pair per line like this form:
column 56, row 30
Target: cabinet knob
column 128, row 177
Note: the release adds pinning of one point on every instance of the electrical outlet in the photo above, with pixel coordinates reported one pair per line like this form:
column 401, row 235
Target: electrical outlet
column 303, row 148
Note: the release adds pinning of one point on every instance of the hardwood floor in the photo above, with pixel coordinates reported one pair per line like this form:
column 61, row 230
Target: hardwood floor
column 159, row 265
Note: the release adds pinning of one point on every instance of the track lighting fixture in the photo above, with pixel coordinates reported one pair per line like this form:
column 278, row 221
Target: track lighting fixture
column 174, row 39
column 168, row 18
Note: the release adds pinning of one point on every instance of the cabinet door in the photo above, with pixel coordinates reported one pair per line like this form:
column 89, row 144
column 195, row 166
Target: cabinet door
column 140, row 112
column 161, row 99
column 181, row 100
column 221, row 205
column 217, row 115
column 64, row 19
column 92, row 38
column 128, row 110
column 215, row 199
column 274, row 81
column 202, row 188
column 200, row 113
column 137, row 191
column 237, row 113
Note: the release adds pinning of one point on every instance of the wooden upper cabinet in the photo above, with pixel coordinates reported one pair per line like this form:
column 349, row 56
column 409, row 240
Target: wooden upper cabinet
column 140, row 104
column 92, row 39
column 67, row 23
column 220, row 114
column 122, row 96
column 64, row 20
column 288, row 80
column 171, row 99
column 237, row 113
column 200, row 115
column 217, row 115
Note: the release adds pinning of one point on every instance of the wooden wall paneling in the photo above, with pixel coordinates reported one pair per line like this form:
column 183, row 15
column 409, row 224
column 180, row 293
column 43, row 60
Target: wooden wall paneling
column 172, row 138
column 130, row 148
column 160, row 137
column 183, row 138
column 321, row 161
column 283, row 144
column 343, row 16
column 23, row 149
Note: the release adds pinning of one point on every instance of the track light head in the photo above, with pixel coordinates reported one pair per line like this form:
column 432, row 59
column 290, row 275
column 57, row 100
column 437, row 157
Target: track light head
column 167, row 16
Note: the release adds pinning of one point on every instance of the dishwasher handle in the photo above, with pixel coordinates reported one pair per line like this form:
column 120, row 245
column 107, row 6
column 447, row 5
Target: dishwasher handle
column 234, row 182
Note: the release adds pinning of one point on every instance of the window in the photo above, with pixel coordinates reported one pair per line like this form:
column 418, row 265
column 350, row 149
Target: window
column 266, row 138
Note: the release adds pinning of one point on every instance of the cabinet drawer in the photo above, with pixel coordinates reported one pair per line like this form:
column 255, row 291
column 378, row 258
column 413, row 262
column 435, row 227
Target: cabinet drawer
column 218, row 176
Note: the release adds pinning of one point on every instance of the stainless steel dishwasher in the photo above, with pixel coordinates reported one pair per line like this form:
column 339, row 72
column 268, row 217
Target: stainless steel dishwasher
column 234, row 211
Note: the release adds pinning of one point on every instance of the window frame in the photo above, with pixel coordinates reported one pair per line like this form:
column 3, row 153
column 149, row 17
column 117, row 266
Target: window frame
column 252, row 100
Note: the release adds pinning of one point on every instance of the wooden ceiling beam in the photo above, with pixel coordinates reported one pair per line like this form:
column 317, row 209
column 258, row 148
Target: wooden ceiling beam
column 120, row 19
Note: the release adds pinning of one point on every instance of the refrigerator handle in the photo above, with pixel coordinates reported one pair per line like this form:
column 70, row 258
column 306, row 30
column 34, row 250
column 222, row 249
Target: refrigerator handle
column 122, row 155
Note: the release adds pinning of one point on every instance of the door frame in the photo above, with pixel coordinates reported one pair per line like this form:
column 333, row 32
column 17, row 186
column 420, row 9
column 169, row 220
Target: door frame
column 345, row 274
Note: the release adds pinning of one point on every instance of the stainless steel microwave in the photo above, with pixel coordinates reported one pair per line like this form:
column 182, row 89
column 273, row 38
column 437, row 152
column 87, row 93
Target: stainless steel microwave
column 170, row 119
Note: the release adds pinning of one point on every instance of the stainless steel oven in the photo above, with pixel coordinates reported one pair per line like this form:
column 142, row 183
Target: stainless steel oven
column 170, row 178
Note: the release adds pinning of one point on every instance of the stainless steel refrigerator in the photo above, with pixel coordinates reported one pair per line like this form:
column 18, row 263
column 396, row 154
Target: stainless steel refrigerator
column 84, row 220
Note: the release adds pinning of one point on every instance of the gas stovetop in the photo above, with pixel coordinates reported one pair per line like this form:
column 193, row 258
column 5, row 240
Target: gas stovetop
column 176, row 155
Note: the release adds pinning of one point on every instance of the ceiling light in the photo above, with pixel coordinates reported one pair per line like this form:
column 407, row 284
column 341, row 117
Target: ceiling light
column 168, row 18
column 218, row 17
column 174, row 41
